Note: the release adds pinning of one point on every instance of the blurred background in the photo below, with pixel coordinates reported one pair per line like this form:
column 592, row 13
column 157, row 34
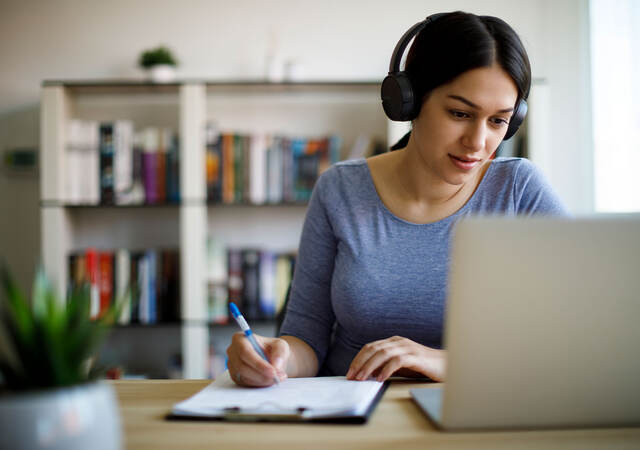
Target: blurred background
column 582, row 130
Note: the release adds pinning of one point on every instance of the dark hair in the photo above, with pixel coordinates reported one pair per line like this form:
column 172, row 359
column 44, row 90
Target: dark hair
column 457, row 42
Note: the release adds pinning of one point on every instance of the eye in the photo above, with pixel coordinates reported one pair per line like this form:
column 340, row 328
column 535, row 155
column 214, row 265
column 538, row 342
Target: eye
column 459, row 114
column 499, row 121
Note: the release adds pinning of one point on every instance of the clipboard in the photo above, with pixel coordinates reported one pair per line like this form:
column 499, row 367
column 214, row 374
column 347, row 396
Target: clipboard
column 317, row 399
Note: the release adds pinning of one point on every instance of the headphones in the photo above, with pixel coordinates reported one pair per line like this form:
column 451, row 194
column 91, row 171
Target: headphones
column 398, row 100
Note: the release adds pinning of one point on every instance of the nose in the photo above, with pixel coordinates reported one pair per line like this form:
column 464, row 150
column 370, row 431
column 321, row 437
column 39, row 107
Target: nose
column 475, row 136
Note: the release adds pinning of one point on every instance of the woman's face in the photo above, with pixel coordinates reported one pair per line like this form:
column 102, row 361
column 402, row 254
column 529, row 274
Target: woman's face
column 462, row 123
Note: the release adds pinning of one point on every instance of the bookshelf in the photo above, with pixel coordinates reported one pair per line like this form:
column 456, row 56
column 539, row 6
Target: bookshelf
column 346, row 109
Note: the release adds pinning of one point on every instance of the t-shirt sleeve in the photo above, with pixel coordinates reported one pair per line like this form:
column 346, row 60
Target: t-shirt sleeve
column 533, row 195
column 309, row 315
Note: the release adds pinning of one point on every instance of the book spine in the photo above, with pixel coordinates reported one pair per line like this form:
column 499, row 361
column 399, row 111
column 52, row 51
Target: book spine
column 251, row 283
column 161, row 165
column 228, row 177
column 91, row 164
column 123, row 285
column 173, row 171
column 123, row 160
column 238, row 169
column 275, row 167
column 93, row 274
column 105, row 261
column 267, row 284
column 106, row 164
column 214, row 164
column 149, row 165
column 134, row 276
column 234, row 264
column 152, row 264
column 143, row 282
column 258, row 169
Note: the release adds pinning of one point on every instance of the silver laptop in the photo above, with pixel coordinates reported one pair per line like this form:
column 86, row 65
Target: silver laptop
column 542, row 325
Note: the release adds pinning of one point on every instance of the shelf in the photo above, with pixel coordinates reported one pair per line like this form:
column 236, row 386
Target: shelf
column 258, row 205
column 59, row 204
column 181, row 323
column 346, row 108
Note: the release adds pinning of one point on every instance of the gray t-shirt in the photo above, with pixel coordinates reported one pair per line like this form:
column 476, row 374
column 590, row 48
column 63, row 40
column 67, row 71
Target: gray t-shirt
column 363, row 274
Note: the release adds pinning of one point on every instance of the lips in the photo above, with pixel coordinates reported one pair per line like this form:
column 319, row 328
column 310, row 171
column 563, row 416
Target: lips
column 464, row 162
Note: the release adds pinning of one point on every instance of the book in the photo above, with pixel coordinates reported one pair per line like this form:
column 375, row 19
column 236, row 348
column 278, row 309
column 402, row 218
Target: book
column 173, row 170
column 149, row 165
column 93, row 275
column 228, row 179
column 105, row 280
column 123, row 284
column 267, row 291
column 106, row 164
column 238, row 168
column 122, row 160
column 213, row 163
column 325, row 399
column 234, row 267
column 251, row 284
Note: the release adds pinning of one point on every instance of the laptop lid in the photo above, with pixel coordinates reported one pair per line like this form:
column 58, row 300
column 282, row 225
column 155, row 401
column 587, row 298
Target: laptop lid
column 543, row 324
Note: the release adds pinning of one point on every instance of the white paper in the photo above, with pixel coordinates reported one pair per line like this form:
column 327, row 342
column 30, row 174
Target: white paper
column 318, row 396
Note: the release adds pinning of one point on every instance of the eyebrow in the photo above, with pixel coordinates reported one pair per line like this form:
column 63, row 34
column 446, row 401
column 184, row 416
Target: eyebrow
column 473, row 105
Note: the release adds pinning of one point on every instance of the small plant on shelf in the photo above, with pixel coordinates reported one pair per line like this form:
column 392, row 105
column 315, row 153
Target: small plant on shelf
column 160, row 64
column 157, row 56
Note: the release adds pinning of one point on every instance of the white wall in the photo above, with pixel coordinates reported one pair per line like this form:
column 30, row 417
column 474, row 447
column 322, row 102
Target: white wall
column 216, row 39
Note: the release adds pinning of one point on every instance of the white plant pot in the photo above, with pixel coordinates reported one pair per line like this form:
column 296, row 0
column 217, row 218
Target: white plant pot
column 162, row 73
column 77, row 417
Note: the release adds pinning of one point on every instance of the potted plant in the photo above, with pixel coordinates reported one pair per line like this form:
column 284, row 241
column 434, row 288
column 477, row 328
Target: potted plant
column 160, row 64
column 49, row 393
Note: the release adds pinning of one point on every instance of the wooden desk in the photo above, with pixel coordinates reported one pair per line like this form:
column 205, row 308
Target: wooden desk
column 396, row 424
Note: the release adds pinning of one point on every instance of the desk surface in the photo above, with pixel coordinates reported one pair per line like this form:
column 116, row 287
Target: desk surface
column 396, row 424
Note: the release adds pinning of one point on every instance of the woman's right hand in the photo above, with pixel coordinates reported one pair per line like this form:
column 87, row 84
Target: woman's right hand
column 247, row 368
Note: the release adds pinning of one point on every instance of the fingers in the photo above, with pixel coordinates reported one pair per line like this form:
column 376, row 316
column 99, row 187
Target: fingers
column 384, row 358
column 247, row 368
column 278, row 352
column 373, row 355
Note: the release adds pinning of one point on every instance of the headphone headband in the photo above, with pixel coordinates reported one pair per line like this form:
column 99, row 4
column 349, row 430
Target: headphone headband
column 398, row 51
column 398, row 99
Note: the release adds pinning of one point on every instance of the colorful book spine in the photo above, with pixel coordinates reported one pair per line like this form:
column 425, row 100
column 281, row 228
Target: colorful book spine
column 152, row 280
column 123, row 292
column 105, row 280
column 213, row 164
column 149, row 165
column 234, row 265
column 122, row 160
column 251, row 283
column 173, row 170
column 161, row 165
column 238, row 168
column 267, row 284
column 93, row 275
column 228, row 175
column 106, row 164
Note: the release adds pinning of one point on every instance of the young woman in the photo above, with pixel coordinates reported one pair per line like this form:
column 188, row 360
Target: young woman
column 368, row 294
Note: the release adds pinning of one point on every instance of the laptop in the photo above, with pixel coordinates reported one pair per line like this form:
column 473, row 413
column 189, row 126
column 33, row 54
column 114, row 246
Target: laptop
column 542, row 325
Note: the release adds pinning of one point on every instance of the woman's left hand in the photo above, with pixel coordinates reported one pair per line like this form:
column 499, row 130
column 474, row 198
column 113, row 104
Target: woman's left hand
column 400, row 356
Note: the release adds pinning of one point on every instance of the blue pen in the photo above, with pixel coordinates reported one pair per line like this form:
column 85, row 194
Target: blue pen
column 244, row 326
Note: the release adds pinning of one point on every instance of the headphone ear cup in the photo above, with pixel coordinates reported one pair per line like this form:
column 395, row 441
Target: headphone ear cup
column 398, row 100
column 516, row 120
